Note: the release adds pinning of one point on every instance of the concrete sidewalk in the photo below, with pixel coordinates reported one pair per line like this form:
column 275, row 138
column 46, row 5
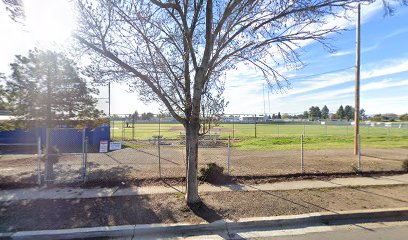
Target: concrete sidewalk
column 75, row 193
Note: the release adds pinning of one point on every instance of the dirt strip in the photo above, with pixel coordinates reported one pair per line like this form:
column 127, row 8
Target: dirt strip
column 170, row 208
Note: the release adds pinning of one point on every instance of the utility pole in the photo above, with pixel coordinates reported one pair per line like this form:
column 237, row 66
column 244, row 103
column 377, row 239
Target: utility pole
column 357, row 86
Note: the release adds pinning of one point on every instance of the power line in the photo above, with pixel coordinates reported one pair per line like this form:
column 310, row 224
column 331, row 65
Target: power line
column 307, row 76
column 320, row 74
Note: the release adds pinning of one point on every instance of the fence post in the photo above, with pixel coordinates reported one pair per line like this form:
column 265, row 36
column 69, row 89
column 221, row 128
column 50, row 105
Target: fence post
column 278, row 130
column 49, row 165
column 158, row 149
column 123, row 129
column 304, row 129
column 86, row 159
column 301, row 154
column 84, row 140
column 133, row 127
column 255, row 129
column 359, row 153
column 326, row 129
column 229, row 154
column 346, row 130
column 233, row 127
column 39, row 160
column 113, row 128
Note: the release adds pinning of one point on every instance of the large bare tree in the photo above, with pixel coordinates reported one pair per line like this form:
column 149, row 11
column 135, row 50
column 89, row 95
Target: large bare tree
column 175, row 51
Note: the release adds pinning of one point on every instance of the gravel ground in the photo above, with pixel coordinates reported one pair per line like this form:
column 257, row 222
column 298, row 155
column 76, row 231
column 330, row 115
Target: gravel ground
column 170, row 208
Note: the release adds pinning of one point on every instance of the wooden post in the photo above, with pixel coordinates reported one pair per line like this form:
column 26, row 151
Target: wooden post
column 357, row 86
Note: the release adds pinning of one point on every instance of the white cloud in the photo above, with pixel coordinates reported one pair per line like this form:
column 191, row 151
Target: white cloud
column 334, row 94
column 341, row 53
column 246, row 95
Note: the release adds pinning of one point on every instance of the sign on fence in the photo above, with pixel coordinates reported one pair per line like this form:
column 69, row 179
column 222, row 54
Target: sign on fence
column 115, row 146
column 103, row 146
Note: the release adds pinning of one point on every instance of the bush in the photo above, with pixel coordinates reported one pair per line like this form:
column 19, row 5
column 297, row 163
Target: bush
column 212, row 173
column 405, row 165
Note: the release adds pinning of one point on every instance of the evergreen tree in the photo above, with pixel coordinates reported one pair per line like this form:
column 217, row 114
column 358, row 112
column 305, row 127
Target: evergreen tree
column 305, row 115
column 135, row 115
column 279, row 116
column 45, row 85
column 315, row 112
column 348, row 112
column 363, row 115
column 325, row 112
column 2, row 99
column 340, row 112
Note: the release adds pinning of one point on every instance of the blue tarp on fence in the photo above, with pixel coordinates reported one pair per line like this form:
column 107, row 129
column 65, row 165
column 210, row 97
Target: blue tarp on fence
column 60, row 136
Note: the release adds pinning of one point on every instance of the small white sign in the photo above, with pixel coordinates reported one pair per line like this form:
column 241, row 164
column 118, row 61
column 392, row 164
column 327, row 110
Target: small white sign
column 103, row 146
column 115, row 146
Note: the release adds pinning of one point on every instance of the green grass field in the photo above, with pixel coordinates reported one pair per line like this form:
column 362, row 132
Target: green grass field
column 318, row 143
column 274, row 136
column 144, row 131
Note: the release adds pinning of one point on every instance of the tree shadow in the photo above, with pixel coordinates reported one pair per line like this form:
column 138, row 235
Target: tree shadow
column 114, row 174
column 205, row 212
column 46, row 214
column 20, row 180
column 382, row 158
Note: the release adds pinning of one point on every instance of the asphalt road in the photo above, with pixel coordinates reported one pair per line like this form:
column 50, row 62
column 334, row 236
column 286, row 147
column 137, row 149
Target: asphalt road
column 391, row 233
column 367, row 231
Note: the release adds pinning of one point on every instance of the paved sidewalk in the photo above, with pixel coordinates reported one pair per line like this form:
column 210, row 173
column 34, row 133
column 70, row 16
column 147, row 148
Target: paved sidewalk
column 75, row 193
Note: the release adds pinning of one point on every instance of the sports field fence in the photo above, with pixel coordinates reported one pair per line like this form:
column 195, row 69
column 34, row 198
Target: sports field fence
column 155, row 147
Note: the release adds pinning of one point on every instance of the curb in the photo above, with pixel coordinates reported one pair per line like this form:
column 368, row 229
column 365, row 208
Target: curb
column 220, row 227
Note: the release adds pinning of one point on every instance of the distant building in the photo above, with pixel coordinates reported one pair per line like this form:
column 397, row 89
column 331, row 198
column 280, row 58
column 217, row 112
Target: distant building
column 231, row 118
column 254, row 118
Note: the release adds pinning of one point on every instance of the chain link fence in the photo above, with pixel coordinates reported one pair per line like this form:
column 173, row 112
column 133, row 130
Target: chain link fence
column 20, row 162
column 154, row 147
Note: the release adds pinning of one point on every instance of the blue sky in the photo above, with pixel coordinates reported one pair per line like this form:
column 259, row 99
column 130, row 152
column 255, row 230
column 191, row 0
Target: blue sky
column 384, row 72
column 384, row 64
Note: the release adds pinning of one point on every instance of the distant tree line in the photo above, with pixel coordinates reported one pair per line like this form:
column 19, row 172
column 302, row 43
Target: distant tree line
column 389, row 117
column 315, row 113
column 342, row 113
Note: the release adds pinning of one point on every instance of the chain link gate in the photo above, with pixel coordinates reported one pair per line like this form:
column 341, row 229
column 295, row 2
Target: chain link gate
column 64, row 156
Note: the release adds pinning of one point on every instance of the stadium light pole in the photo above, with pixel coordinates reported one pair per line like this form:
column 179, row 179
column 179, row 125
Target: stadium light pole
column 357, row 85
column 263, row 95
column 109, row 99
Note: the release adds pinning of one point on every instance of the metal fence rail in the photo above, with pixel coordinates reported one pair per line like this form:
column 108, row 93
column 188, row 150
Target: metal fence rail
column 156, row 148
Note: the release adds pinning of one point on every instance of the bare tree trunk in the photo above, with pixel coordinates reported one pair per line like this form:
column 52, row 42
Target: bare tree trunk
column 192, row 162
